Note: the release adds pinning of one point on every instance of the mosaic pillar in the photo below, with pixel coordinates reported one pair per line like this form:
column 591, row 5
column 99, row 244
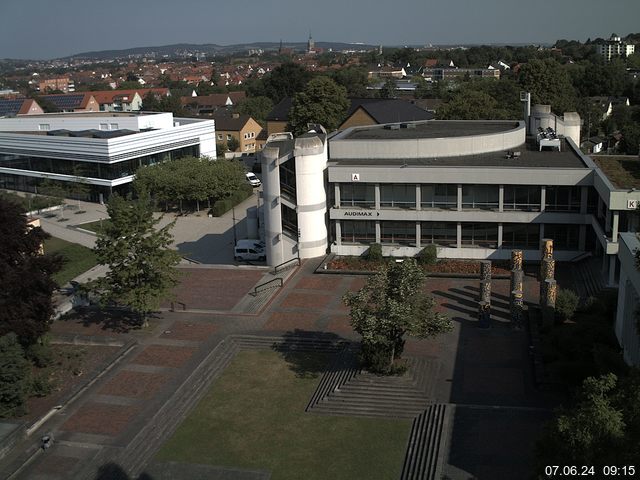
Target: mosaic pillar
column 547, row 272
column 548, row 301
column 485, row 270
column 517, row 284
column 516, row 259
column 517, row 308
column 546, row 249
column 485, row 291
column 484, row 315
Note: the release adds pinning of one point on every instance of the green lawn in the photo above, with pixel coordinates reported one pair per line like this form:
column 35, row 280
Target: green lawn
column 253, row 417
column 94, row 226
column 79, row 259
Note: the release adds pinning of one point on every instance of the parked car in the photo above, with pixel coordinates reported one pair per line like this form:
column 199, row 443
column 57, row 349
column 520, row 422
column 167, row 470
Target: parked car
column 253, row 180
column 249, row 250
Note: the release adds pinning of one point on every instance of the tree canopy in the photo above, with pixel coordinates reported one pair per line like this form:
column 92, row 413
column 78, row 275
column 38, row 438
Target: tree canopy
column 283, row 81
column 323, row 101
column 256, row 107
column 25, row 275
column 549, row 84
column 390, row 305
column 141, row 264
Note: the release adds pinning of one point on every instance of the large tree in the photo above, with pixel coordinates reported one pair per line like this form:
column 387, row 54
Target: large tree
column 283, row 81
column 141, row 263
column 392, row 304
column 25, row 275
column 256, row 107
column 323, row 101
column 549, row 84
column 14, row 373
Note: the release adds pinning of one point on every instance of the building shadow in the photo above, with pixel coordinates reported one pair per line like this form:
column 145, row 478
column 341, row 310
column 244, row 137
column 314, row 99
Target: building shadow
column 113, row 471
column 214, row 248
column 108, row 319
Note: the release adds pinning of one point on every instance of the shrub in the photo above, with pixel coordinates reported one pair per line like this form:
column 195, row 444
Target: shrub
column 374, row 253
column 566, row 304
column 40, row 353
column 428, row 255
column 13, row 376
column 40, row 385
column 223, row 205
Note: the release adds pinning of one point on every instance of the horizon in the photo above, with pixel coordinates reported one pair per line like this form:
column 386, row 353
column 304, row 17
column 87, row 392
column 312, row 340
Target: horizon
column 83, row 26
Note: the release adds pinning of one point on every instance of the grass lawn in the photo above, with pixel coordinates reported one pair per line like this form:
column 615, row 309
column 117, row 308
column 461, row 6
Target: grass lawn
column 94, row 226
column 79, row 258
column 253, row 417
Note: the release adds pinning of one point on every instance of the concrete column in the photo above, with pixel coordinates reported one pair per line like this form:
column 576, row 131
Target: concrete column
column 485, row 291
column 336, row 194
column 542, row 230
column 599, row 207
column 418, row 197
column 607, row 221
column 543, row 200
column 499, row 235
column 418, row 242
column 338, row 238
column 500, row 202
column 603, row 268
column 614, row 227
column 623, row 286
column 378, row 231
column 612, row 270
column 459, row 235
column 516, row 260
column 376, row 190
column 485, row 270
column 582, row 238
column 459, row 196
column 584, row 196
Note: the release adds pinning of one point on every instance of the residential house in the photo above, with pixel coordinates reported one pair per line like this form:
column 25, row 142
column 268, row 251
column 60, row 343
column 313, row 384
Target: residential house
column 615, row 47
column 210, row 104
column 73, row 102
column 19, row 106
column 377, row 111
column 118, row 100
column 64, row 84
column 241, row 127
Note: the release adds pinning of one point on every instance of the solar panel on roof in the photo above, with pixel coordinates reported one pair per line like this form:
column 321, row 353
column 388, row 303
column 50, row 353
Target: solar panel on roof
column 10, row 107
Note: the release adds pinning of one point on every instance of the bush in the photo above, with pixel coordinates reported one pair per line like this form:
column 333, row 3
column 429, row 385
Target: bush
column 40, row 353
column 428, row 255
column 40, row 385
column 374, row 253
column 220, row 207
column 566, row 304
column 13, row 376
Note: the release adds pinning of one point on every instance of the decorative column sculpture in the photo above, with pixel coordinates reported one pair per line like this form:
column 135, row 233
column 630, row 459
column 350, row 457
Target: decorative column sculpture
column 516, row 259
column 484, row 305
column 549, row 292
column 516, row 296
column 546, row 248
column 517, row 308
column 484, row 315
column 517, row 284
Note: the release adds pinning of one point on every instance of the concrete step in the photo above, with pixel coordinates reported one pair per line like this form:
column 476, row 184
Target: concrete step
column 424, row 446
column 368, row 411
column 347, row 391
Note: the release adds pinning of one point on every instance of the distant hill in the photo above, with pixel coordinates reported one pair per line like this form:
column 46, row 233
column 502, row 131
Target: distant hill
column 180, row 49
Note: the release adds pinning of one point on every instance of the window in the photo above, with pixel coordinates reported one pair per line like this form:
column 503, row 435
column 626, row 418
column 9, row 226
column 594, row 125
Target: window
column 113, row 126
column 104, row 126
column 562, row 199
column 522, row 197
column 398, row 195
column 403, row 233
column 228, row 137
column 483, row 235
column 521, row 235
column 439, row 196
column 484, row 197
column 565, row 237
column 353, row 231
column 357, row 195
column 439, row 233
column 43, row 127
column 219, row 136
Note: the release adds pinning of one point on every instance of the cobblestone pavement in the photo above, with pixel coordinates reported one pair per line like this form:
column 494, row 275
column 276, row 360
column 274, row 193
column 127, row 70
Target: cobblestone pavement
column 481, row 370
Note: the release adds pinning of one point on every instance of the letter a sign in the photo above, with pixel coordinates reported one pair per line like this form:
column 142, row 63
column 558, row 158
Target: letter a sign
column 355, row 177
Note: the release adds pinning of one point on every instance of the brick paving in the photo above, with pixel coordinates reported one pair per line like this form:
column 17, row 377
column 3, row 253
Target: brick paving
column 190, row 331
column 305, row 300
column 164, row 356
column 101, row 419
column 285, row 321
column 134, row 384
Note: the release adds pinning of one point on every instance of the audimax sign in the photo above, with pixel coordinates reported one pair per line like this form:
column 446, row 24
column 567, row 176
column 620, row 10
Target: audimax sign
column 360, row 213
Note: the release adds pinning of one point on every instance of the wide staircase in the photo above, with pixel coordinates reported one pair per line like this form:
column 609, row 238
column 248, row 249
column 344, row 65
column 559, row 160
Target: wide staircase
column 588, row 278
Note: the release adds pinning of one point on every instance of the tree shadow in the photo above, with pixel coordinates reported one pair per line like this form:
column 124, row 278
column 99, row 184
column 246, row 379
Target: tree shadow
column 309, row 353
column 113, row 471
column 112, row 320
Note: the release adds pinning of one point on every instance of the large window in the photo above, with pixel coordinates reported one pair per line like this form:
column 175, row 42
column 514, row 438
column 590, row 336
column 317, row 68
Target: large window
column 289, row 221
column 521, row 235
column 439, row 196
column 522, row 197
column 562, row 199
column 565, row 237
column 485, row 197
column 403, row 233
column 439, row 233
column 357, row 195
column 480, row 235
column 398, row 195
column 288, row 178
column 358, row 232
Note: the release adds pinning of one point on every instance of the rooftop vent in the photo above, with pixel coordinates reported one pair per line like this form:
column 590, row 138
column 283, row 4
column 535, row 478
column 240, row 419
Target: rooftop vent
column 393, row 126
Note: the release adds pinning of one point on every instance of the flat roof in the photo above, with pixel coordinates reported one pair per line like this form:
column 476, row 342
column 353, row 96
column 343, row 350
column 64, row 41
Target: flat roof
column 430, row 129
column 87, row 114
column 530, row 157
column 623, row 171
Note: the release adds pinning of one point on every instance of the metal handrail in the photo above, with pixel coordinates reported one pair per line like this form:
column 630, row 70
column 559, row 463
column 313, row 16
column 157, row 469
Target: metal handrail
column 255, row 290
column 277, row 267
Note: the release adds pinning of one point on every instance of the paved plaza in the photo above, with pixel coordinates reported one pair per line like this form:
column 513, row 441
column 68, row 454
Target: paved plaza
column 482, row 375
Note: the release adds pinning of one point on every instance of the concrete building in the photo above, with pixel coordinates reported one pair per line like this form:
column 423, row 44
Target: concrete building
column 64, row 84
column 626, row 327
column 103, row 150
column 615, row 47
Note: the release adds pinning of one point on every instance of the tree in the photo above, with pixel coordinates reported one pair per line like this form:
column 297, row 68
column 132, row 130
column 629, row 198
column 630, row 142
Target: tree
column 14, row 373
column 25, row 275
column 469, row 105
column 630, row 138
column 389, row 90
column 56, row 190
column 256, row 107
column 141, row 264
column 283, row 81
column 354, row 79
column 233, row 144
column 322, row 101
column 549, row 84
column 390, row 305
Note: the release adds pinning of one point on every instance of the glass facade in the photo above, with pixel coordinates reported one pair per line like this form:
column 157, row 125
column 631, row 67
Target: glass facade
column 357, row 195
column 521, row 197
column 358, row 232
column 562, row 199
column 483, row 197
column 289, row 221
column 521, row 235
column 398, row 195
column 439, row 196
column 483, row 235
column 402, row 233
column 444, row 234
column 565, row 237
column 288, row 179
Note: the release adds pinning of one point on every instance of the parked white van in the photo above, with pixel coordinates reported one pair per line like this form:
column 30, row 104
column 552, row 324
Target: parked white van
column 249, row 250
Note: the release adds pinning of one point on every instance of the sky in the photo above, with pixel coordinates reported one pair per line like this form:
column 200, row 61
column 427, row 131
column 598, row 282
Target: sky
column 45, row 29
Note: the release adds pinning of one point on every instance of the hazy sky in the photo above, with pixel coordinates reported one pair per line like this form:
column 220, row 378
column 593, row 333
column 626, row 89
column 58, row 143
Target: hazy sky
column 42, row 29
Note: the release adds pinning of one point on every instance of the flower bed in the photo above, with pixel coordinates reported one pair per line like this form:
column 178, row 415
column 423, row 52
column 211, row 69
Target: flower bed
column 466, row 267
